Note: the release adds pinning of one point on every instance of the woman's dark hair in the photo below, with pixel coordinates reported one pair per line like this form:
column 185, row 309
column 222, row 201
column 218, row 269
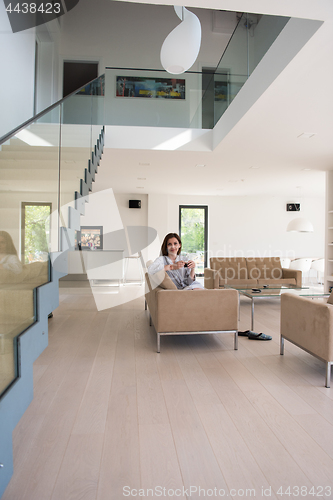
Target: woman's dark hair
column 164, row 247
column 10, row 248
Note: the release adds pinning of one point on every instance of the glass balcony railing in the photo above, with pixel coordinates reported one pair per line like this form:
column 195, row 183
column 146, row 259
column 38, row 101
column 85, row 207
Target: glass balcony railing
column 42, row 164
column 249, row 43
column 155, row 98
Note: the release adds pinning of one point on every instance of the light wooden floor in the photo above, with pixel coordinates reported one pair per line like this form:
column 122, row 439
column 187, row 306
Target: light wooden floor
column 109, row 412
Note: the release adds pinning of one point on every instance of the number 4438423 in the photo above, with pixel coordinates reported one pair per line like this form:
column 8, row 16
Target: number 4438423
column 304, row 491
column 32, row 8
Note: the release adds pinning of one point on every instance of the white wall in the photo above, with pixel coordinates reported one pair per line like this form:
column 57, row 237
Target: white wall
column 112, row 212
column 16, row 73
column 48, row 91
column 246, row 225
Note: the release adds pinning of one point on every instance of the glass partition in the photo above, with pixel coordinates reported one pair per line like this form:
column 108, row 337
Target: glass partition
column 253, row 36
column 41, row 168
column 29, row 171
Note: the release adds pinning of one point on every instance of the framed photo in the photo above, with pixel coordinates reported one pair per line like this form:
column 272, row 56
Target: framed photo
column 91, row 237
column 145, row 87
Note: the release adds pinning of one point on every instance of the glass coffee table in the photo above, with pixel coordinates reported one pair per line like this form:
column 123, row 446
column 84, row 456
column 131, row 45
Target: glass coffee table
column 272, row 292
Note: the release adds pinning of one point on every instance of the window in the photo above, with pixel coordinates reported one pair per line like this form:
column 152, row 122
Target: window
column 193, row 231
column 35, row 235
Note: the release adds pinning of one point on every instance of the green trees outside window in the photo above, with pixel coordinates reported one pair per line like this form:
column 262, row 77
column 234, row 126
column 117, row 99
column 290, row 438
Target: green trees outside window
column 35, row 231
column 193, row 233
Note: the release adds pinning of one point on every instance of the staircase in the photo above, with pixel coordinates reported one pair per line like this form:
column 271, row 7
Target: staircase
column 38, row 165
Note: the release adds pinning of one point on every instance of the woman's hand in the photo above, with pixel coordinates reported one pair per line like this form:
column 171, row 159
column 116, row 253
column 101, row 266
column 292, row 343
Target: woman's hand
column 191, row 264
column 176, row 265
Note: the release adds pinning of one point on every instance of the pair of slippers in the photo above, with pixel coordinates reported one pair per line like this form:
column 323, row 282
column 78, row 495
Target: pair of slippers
column 254, row 336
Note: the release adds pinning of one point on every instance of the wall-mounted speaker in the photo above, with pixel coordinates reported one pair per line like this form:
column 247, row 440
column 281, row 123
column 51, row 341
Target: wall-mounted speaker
column 293, row 207
column 134, row 203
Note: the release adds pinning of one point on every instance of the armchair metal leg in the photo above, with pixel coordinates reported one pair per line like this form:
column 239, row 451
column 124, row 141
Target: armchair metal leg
column 158, row 342
column 236, row 341
column 145, row 305
column 149, row 319
column 281, row 345
column 328, row 375
column 238, row 306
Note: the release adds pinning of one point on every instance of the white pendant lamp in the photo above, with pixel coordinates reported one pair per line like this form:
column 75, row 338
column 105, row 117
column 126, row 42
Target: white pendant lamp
column 301, row 225
column 181, row 47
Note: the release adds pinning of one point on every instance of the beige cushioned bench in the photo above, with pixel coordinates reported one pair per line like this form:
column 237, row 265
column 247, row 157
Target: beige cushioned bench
column 181, row 312
column 249, row 271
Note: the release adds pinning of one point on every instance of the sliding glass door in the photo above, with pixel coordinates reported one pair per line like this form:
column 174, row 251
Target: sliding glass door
column 193, row 231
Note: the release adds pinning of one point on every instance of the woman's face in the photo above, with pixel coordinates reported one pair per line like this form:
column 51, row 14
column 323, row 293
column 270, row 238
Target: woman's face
column 173, row 246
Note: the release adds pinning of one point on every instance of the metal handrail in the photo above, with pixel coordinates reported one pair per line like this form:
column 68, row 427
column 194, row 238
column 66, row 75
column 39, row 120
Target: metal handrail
column 13, row 132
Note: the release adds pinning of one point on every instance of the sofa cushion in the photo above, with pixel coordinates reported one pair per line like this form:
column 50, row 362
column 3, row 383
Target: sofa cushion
column 264, row 268
column 229, row 267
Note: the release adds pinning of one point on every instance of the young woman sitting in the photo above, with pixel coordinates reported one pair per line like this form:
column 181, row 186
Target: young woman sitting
column 181, row 273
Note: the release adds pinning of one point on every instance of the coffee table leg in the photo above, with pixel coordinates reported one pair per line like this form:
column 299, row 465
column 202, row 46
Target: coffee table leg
column 252, row 316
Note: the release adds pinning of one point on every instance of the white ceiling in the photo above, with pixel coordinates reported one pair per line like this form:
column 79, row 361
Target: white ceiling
column 266, row 138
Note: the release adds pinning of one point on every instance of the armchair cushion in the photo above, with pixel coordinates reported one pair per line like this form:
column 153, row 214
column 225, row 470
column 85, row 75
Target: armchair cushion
column 160, row 279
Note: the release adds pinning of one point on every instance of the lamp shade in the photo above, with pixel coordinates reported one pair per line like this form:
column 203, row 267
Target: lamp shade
column 301, row 225
column 181, row 47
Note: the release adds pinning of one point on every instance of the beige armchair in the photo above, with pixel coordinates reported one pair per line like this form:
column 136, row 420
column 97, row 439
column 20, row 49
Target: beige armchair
column 182, row 312
column 308, row 324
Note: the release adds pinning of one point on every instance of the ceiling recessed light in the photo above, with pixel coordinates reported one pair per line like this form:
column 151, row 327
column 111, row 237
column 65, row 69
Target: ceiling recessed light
column 144, row 164
column 307, row 135
column 200, row 165
column 141, row 178
column 254, row 167
column 306, row 169
column 139, row 187
column 233, row 180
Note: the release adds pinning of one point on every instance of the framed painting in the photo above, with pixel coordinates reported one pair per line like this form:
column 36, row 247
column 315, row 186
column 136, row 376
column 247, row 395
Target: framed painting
column 145, row 87
column 91, row 237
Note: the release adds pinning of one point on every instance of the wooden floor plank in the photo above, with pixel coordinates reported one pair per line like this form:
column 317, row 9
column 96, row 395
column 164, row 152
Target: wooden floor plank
column 197, row 460
column 235, row 458
column 159, row 462
column 272, row 457
column 79, row 472
column 109, row 411
column 120, row 464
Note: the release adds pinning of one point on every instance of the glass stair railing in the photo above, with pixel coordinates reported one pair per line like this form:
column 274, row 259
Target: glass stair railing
column 155, row 98
column 47, row 166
